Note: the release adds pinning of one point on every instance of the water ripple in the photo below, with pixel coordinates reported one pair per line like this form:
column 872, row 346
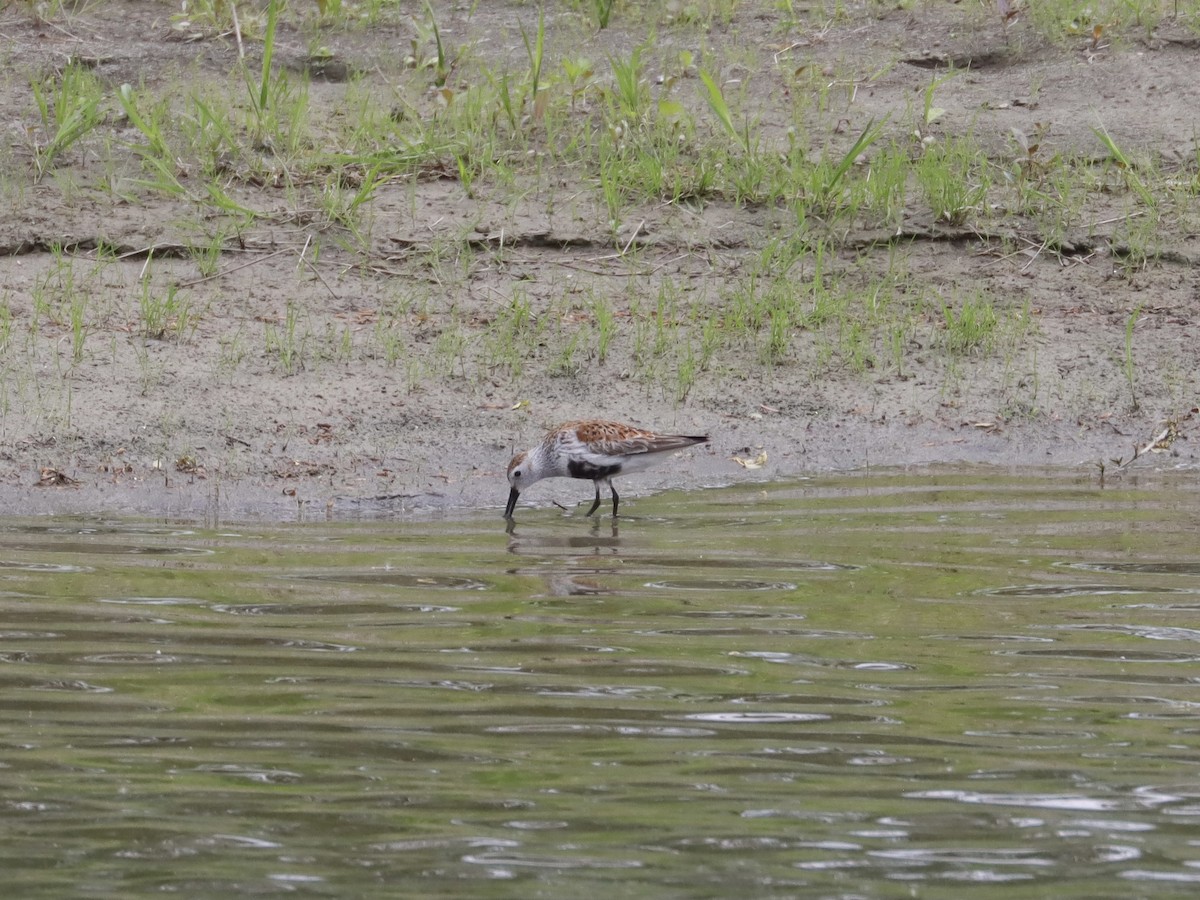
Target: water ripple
column 153, row 601
column 393, row 578
column 740, row 614
column 1002, row 856
column 1075, row 590
column 760, row 718
column 558, row 862
column 1118, row 655
column 1172, row 876
column 1140, row 568
column 100, row 548
column 251, row 773
column 154, row 659
column 84, row 686
column 716, row 584
column 1035, row 801
column 43, row 567
column 1150, row 632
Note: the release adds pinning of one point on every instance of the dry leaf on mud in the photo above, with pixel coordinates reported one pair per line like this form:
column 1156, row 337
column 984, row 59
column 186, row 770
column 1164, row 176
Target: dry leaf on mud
column 189, row 465
column 757, row 463
column 51, row 477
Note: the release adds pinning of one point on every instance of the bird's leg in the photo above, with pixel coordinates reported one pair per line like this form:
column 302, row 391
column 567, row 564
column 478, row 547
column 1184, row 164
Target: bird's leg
column 597, row 503
column 612, row 487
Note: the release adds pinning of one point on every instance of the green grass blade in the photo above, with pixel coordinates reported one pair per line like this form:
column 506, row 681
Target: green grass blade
column 264, row 88
column 443, row 69
column 535, row 52
column 1131, row 177
column 869, row 135
column 716, row 102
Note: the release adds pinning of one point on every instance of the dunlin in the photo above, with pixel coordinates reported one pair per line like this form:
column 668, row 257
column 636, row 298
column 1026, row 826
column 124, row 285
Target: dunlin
column 591, row 449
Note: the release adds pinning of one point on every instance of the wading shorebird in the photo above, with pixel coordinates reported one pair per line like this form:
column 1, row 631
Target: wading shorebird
column 594, row 450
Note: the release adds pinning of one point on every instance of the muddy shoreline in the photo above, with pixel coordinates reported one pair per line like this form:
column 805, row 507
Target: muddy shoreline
column 159, row 358
column 473, row 481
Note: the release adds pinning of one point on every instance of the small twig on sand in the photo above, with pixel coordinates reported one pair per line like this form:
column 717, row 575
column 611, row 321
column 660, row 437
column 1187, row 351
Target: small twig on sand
column 1161, row 441
column 237, row 30
column 313, row 269
column 224, row 272
column 632, row 237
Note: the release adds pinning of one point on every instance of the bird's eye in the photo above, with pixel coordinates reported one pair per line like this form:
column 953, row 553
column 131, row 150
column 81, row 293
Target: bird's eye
column 517, row 473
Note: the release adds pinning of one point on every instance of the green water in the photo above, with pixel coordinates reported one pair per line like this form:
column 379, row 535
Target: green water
column 934, row 685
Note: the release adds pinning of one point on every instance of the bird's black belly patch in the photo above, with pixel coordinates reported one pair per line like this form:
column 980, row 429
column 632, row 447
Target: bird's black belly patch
column 581, row 468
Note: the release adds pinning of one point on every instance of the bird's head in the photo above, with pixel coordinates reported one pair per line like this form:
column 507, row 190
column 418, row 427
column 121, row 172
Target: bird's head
column 519, row 475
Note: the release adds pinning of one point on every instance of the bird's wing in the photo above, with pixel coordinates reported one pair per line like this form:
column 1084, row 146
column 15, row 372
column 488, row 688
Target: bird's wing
column 610, row 443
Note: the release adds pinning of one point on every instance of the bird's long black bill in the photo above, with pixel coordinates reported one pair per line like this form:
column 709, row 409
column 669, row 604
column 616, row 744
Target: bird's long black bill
column 512, row 503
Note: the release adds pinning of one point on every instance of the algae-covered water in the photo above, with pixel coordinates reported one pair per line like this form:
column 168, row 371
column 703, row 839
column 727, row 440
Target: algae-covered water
column 938, row 685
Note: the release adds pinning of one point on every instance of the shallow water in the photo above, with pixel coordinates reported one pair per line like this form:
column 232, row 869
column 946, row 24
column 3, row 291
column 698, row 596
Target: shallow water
column 936, row 685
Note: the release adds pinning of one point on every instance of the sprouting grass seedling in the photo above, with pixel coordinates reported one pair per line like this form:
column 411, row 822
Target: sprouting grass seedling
column 449, row 350
column 952, row 179
column 441, row 63
column 579, row 77
column 512, row 336
column 209, row 133
column 565, row 365
column 69, row 111
column 5, row 322
column 716, row 102
column 824, row 187
column 389, row 335
column 631, row 93
column 535, row 50
column 342, row 205
column 1127, row 361
column 264, row 82
column 687, row 368
column 284, row 344
column 886, row 185
column 929, row 112
column 149, row 126
column 156, row 155
column 972, row 327
column 216, row 14
column 163, row 313
column 278, row 108
column 603, row 10
column 606, row 327
column 206, row 253
column 1123, row 163
column 610, row 184
column 79, row 326
column 779, row 333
